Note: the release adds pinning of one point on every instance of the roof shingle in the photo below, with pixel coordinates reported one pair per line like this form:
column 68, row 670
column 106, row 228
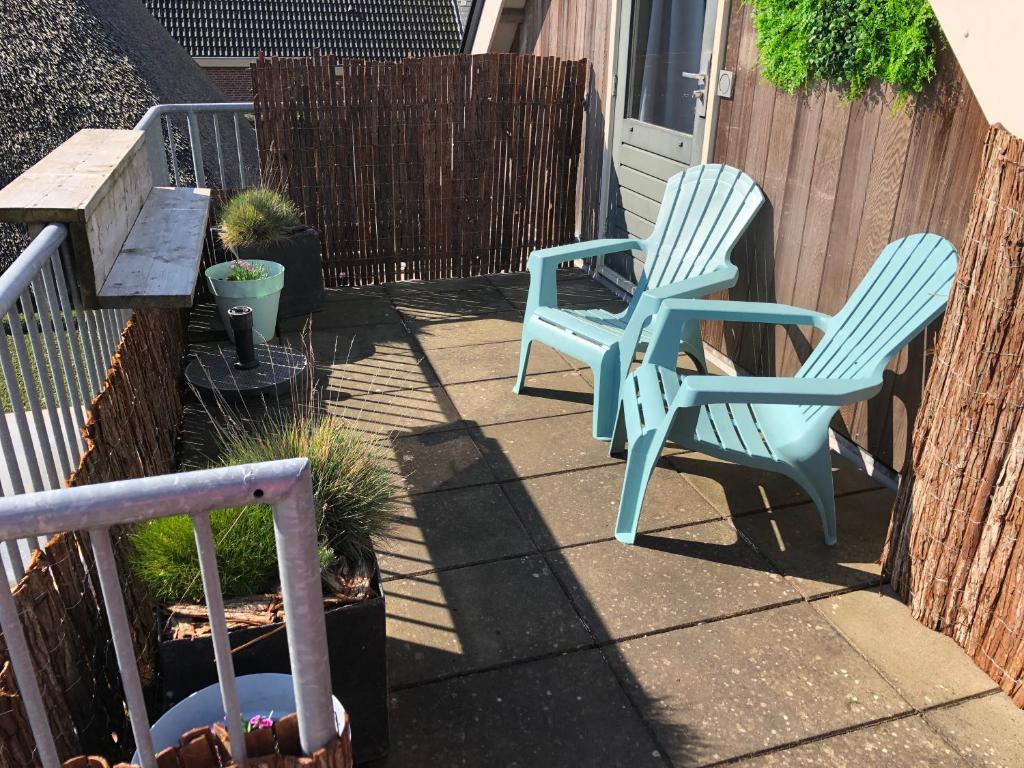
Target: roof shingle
column 372, row 29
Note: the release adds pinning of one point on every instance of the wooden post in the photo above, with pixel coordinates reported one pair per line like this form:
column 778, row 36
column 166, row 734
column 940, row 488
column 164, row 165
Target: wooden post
column 955, row 550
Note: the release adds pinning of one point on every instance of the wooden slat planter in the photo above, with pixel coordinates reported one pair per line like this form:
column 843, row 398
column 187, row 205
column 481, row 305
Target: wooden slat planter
column 956, row 542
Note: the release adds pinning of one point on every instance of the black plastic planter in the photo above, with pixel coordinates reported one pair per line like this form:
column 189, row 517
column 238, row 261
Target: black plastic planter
column 356, row 637
column 299, row 254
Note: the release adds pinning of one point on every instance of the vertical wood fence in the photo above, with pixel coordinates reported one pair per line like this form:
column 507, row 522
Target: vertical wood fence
column 956, row 542
column 425, row 168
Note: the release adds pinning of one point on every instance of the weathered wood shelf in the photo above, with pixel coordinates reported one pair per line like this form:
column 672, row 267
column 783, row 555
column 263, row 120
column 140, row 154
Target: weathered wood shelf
column 159, row 262
column 132, row 245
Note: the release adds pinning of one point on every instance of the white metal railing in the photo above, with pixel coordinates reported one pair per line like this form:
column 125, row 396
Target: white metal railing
column 55, row 354
column 160, row 124
column 53, row 362
column 284, row 485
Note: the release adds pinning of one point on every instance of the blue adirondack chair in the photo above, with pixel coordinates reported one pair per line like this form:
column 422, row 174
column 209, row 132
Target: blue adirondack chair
column 704, row 211
column 778, row 423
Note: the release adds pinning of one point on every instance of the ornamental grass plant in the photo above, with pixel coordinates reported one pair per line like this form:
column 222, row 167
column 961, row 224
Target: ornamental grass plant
column 353, row 489
column 257, row 215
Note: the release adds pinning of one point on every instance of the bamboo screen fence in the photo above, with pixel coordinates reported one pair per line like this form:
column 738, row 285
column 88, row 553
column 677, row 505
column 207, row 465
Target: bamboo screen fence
column 425, row 168
column 956, row 543
column 131, row 432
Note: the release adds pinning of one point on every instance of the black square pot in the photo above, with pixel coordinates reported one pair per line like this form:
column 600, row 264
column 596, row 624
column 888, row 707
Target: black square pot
column 299, row 254
column 356, row 646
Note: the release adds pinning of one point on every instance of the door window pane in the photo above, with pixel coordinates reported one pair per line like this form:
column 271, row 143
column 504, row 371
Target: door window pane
column 666, row 37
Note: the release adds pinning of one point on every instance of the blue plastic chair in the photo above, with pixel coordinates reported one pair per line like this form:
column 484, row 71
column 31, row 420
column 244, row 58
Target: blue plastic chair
column 778, row 423
column 705, row 210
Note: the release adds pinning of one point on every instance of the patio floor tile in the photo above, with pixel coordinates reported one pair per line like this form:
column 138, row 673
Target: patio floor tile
column 504, row 327
column 437, row 461
column 541, row 446
column 721, row 690
column 398, row 412
column 523, row 278
column 338, row 312
column 428, row 306
column 354, row 361
column 452, row 528
column 476, row 617
column 458, row 365
column 736, row 490
column 545, row 394
column 904, row 743
column 926, row 667
column 448, row 285
column 567, row 711
column 667, row 579
column 791, row 538
column 988, row 731
column 577, row 507
column 571, row 293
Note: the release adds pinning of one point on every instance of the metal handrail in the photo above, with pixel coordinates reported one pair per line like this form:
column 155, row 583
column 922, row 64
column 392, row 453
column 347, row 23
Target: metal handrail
column 285, row 485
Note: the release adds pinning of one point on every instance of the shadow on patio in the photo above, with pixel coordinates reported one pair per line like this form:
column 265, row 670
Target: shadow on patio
column 521, row 633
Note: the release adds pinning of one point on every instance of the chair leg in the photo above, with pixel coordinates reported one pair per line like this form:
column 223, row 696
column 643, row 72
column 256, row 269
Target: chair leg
column 640, row 462
column 606, row 397
column 693, row 345
column 815, row 475
column 524, row 359
column 618, row 444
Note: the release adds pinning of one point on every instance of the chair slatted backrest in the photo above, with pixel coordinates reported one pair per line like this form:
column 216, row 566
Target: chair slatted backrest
column 705, row 210
column 905, row 289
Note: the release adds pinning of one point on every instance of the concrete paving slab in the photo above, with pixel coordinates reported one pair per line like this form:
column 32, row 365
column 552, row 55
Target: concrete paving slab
column 448, row 285
column 437, row 461
column 545, row 394
column 791, row 538
column 452, row 528
column 477, row 617
column 737, row 490
column 431, row 306
column 398, row 412
column 904, row 743
column 988, row 731
column 541, row 446
column 458, row 365
column 577, row 507
column 523, row 278
column 667, row 579
column 354, row 361
column 926, row 667
column 566, row 711
column 505, row 327
column 343, row 313
column 718, row 691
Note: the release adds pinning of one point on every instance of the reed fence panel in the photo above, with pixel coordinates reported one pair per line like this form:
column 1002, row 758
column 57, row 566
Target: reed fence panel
column 131, row 431
column 425, row 168
column 955, row 550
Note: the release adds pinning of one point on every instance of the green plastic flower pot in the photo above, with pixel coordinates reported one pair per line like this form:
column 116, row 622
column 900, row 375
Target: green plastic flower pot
column 262, row 296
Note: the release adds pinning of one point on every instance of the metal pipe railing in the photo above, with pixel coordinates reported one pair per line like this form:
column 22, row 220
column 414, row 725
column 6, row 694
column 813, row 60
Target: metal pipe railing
column 284, row 485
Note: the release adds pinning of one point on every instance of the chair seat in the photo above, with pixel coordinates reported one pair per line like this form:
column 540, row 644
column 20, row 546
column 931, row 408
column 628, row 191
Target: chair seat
column 595, row 325
column 724, row 430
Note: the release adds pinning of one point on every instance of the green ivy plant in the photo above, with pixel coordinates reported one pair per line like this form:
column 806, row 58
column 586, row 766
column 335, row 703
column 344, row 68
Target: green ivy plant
column 847, row 43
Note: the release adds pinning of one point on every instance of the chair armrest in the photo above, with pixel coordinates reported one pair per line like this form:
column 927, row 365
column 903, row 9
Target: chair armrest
column 651, row 301
column 674, row 313
column 699, row 285
column 704, row 390
column 543, row 266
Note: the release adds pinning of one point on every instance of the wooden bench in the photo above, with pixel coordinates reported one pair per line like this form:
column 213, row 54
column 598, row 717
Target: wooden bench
column 132, row 244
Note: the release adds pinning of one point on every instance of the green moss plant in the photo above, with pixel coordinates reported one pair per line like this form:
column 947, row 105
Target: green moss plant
column 848, row 43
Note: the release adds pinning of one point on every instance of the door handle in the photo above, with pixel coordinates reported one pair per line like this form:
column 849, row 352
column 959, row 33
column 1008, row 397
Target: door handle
column 700, row 77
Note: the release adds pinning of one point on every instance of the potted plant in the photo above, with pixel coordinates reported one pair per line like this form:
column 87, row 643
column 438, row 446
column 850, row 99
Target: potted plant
column 261, row 224
column 354, row 491
column 256, row 284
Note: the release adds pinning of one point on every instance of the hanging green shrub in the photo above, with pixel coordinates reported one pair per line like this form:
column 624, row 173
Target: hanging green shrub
column 847, row 43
